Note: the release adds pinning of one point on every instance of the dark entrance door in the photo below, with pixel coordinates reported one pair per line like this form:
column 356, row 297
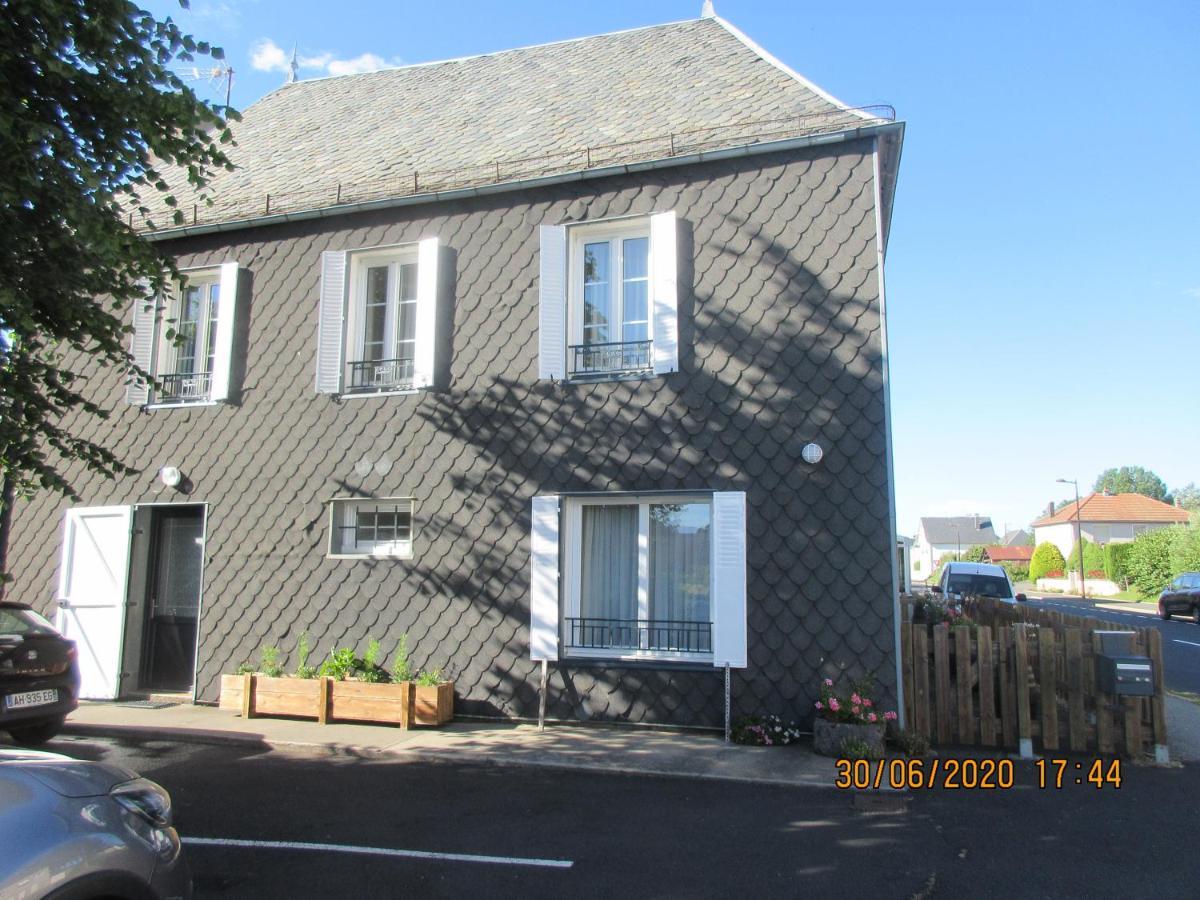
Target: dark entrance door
column 176, row 552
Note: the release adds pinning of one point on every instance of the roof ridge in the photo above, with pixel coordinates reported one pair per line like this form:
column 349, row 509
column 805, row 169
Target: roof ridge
column 471, row 56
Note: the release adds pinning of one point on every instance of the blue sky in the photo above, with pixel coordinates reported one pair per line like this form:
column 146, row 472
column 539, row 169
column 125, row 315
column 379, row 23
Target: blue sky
column 1044, row 269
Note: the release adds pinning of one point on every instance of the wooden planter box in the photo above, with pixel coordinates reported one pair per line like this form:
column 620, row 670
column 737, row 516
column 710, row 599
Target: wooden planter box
column 324, row 699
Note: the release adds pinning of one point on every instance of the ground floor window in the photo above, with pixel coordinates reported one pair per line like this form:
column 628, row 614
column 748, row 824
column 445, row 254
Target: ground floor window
column 371, row 528
column 638, row 576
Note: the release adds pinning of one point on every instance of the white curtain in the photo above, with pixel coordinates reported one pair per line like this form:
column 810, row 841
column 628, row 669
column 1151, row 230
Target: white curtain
column 679, row 562
column 608, row 587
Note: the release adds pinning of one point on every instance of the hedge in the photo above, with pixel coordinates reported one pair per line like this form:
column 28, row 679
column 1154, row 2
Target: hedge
column 1093, row 558
column 1047, row 558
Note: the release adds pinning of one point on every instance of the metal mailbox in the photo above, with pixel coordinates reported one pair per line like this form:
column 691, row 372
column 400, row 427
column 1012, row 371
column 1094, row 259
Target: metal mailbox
column 1118, row 671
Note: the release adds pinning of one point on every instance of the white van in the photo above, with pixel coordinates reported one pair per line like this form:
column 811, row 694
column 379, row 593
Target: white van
column 961, row 579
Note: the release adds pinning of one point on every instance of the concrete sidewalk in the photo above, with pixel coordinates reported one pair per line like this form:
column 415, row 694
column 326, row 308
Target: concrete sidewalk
column 597, row 748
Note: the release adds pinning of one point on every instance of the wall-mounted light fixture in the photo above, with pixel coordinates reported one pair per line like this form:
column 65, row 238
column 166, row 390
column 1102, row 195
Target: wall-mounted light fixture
column 812, row 454
column 170, row 476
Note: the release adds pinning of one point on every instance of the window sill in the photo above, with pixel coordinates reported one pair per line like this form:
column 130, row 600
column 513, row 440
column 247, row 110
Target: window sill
column 369, row 395
column 600, row 379
column 190, row 404
column 640, row 656
column 402, row 555
column 674, row 663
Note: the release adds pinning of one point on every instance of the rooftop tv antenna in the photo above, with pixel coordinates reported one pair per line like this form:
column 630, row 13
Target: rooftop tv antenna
column 213, row 75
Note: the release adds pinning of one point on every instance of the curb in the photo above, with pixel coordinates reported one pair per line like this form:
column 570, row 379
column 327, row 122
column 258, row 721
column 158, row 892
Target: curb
column 141, row 734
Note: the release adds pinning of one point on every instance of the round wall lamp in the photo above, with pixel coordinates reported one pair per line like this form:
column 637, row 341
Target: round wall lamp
column 170, row 476
column 812, row 454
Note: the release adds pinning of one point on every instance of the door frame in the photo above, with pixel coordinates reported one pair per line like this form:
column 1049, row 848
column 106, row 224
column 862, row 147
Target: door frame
column 149, row 574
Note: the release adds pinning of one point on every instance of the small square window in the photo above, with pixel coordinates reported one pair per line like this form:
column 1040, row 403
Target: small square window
column 371, row 528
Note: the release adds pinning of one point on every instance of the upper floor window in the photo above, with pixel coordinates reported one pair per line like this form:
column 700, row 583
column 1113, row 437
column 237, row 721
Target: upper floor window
column 377, row 319
column 608, row 299
column 186, row 340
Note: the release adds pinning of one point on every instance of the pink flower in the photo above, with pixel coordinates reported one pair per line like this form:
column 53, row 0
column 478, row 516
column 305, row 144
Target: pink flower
column 820, row 705
column 833, row 704
column 828, row 682
column 889, row 716
column 855, row 699
column 871, row 717
column 867, row 702
column 855, row 710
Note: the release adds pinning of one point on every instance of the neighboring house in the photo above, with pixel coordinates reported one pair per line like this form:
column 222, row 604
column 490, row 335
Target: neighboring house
column 1020, row 555
column 516, row 354
column 938, row 536
column 1106, row 518
column 1018, row 538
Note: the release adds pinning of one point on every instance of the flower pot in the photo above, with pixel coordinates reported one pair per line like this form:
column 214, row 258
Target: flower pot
column 828, row 736
column 433, row 704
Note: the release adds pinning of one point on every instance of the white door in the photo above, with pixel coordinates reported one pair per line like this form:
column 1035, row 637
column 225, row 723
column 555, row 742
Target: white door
column 92, row 592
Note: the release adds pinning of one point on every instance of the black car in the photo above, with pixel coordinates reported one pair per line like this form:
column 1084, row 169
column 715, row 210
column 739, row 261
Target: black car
column 39, row 675
column 1182, row 596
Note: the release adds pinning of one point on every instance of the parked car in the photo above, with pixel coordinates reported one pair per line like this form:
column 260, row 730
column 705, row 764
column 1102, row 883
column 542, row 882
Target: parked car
column 1181, row 597
column 963, row 579
column 75, row 829
column 39, row 675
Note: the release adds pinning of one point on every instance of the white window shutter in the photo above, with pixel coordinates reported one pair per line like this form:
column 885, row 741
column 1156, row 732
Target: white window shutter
column 227, row 302
column 729, row 579
column 552, row 303
column 141, row 348
column 665, row 292
column 332, row 315
column 427, row 291
column 543, row 579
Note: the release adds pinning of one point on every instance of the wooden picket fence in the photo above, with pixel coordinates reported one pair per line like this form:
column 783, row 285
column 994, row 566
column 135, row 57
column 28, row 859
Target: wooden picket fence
column 1025, row 678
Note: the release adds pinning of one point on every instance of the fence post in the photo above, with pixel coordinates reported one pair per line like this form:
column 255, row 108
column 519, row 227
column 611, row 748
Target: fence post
column 1021, row 674
column 941, row 671
column 1008, row 700
column 987, row 688
column 966, row 718
column 1048, row 676
column 920, row 648
column 1104, row 720
column 1162, row 753
column 1076, row 718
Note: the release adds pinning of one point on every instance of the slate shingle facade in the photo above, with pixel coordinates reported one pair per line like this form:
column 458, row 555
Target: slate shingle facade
column 780, row 344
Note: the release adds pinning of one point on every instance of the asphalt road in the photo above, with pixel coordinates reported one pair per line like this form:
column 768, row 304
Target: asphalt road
column 551, row 833
column 1180, row 637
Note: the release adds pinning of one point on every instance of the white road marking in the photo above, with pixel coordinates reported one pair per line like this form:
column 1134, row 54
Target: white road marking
column 1192, row 643
column 382, row 851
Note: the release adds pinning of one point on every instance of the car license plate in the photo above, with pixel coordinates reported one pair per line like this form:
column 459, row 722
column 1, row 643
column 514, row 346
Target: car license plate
column 31, row 698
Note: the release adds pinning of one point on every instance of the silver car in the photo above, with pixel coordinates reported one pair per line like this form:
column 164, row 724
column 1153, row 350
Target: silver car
column 74, row 829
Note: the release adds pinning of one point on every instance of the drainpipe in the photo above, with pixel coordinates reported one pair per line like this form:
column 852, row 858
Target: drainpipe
column 6, row 504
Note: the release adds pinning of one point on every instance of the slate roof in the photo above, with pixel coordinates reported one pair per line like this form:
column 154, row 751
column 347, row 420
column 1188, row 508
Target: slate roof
column 1117, row 508
column 511, row 115
column 1016, row 538
column 959, row 529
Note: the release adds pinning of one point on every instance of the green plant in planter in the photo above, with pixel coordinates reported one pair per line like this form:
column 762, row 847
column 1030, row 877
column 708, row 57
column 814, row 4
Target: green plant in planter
column 340, row 665
column 269, row 661
column 303, row 669
column 431, row 678
column 853, row 748
column 246, row 668
column 401, row 668
column 369, row 669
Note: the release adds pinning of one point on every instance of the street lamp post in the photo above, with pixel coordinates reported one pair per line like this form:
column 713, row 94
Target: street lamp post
column 1078, row 534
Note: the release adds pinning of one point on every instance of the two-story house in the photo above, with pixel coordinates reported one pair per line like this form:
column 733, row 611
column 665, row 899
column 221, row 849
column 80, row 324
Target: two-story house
column 571, row 354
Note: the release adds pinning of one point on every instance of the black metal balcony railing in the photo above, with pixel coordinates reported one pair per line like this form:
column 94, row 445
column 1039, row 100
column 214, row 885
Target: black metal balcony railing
column 639, row 634
column 185, row 387
column 380, row 375
column 620, row 358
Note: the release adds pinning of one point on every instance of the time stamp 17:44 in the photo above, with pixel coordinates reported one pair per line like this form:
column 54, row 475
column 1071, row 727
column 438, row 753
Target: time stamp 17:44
column 973, row 774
